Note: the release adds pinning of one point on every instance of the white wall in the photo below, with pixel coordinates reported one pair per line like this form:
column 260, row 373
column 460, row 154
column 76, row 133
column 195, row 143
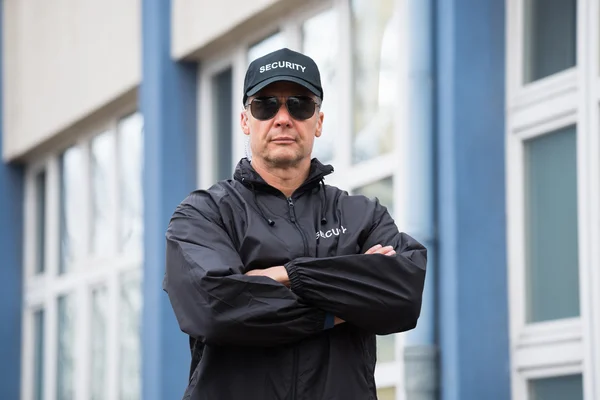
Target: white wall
column 63, row 60
column 198, row 23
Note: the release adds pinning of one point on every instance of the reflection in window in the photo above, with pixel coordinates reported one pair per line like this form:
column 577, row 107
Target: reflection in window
column 40, row 228
column 556, row 388
column 66, row 352
column 551, row 208
column 38, row 355
column 98, row 331
column 375, row 54
column 130, row 183
column 265, row 46
column 129, row 348
column 325, row 54
column 550, row 37
column 103, row 160
column 71, row 207
column 222, row 124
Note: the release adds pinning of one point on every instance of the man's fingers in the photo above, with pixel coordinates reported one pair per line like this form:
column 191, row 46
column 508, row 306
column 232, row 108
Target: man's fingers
column 373, row 249
column 379, row 249
column 384, row 250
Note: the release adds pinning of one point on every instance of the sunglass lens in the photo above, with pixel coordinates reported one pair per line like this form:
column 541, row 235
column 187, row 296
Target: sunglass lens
column 300, row 107
column 264, row 108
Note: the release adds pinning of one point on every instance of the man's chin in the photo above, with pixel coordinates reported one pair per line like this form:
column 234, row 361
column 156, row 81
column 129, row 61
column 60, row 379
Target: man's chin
column 283, row 160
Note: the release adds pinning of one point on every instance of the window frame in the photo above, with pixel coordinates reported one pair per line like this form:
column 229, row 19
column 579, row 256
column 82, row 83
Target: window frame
column 41, row 291
column 347, row 175
column 570, row 97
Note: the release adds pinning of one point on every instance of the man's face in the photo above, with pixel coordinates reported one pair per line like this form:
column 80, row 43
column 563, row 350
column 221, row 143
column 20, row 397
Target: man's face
column 282, row 141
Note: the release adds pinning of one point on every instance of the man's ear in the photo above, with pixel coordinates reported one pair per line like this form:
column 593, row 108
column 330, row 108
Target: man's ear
column 320, row 124
column 244, row 123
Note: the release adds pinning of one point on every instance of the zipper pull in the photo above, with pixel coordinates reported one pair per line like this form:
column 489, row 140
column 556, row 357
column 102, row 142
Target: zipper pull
column 292, row 213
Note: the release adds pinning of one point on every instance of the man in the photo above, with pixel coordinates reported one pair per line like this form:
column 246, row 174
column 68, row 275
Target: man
column 280, row 281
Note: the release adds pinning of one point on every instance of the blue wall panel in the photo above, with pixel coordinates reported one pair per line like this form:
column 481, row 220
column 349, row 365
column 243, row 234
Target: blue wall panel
column 11, row 244
column 168, row 103
column 471, row 200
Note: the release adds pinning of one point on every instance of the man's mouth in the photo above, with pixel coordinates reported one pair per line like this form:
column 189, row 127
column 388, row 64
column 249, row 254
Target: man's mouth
column 283, row 140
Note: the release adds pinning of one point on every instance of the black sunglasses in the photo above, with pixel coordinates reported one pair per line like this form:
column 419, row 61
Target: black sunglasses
column 266, row 107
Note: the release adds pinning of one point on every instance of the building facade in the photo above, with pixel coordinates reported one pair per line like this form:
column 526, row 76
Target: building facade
column 475, row 122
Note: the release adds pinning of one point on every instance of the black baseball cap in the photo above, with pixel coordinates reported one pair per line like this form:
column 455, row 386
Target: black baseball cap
column 282, row 65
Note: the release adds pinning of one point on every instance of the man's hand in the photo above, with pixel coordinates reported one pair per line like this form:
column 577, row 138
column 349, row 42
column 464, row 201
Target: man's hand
column 278, row 274
column 379, row 249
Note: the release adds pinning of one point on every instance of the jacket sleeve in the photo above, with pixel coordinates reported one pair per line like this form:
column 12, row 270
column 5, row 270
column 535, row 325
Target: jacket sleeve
column 381, row 294
column 211, row 297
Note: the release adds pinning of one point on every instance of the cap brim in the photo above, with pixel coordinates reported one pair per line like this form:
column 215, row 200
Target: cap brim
column 285, row 78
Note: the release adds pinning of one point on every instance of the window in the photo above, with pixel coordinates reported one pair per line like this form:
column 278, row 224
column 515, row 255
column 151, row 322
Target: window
column 550, row 37
column 222, row 123
column 71, row 201
column 38, row 354
column 264, row 46
column 325, row 54
column 374, row 64
column 356, row 45
column 65, row 362
column 82, row 298
column 40, row 220
column 553, row 117
column 551, row 210
column 564, row 387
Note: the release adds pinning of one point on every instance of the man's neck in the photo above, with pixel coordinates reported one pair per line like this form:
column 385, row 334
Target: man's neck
column 286, row 180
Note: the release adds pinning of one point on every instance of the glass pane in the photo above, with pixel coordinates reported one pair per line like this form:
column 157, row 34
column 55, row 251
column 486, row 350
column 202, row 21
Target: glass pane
column 265, row 46
column 550, row 37
column 386, row 348
column 129, row 352
column 375, row 57
column 551, row 212
column 66, row 349
column 38, row 355
column 558, row 388
column 98, row 343
column 131, row 162
column 386, row 393
column 383, row 190
column 103, row 159
column 72, row 207
column 40, row 223
column 325, row 54
column 222, row 129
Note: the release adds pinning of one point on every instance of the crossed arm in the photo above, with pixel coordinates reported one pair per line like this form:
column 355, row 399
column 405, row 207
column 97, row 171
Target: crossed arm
column 216, row 302
column 279, row 273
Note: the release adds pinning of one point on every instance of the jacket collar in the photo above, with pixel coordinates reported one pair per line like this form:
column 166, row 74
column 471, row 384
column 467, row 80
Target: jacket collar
column 245, row 173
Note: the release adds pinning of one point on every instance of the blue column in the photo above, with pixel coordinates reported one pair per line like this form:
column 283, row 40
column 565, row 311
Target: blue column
column 421, row 352
column 11, row 245
column 471, row 200
column 168, row 103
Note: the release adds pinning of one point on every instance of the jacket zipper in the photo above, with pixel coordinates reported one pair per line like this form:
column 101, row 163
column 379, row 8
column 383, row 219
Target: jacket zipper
column 305, row 243
column 293, row 219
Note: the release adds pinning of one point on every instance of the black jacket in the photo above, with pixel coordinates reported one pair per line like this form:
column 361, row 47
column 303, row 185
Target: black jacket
column 253, row 338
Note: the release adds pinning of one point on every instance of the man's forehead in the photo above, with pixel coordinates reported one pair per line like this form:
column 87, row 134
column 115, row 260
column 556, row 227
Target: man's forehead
column 283, row 88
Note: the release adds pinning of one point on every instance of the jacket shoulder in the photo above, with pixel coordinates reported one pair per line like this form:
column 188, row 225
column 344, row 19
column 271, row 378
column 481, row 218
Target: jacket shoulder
column 207, row 201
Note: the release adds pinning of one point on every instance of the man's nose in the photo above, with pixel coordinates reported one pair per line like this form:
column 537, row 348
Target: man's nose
column 283, row 117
